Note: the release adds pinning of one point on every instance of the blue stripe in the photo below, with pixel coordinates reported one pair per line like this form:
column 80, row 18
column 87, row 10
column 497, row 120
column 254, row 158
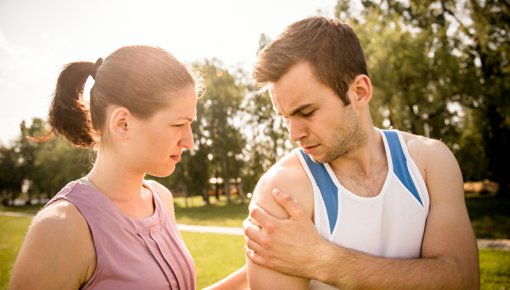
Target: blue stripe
column 327, row 187
column 400, row 163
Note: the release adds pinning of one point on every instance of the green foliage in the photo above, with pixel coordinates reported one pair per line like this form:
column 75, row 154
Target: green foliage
column 266, row 134
column 44, row 166
column 441, row 68
column 267, row 137
column 58, row 163
column 222, row 102
column 218, row 138
column 10, row 177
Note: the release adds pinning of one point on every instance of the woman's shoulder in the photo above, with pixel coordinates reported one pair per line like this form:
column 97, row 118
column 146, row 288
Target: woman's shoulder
column 163, row 194
column 62, row 218
column 58, row 244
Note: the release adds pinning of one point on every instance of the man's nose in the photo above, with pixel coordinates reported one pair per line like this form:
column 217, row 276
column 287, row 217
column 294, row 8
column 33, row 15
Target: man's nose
column 297, row 130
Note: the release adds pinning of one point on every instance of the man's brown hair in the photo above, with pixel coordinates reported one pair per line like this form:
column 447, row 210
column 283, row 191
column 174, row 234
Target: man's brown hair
column 329, row 46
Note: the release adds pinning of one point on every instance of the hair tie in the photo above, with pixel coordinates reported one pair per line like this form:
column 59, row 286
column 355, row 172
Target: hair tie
column 98, row 63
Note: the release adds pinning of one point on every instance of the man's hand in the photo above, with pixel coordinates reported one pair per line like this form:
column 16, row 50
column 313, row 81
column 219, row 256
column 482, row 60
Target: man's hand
column 285, row 245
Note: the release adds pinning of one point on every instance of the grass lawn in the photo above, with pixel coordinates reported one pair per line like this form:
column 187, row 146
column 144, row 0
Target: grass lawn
column 494, row 269
column 215, row 255
column 12, row 231
column 218, row 255
column 218, row 213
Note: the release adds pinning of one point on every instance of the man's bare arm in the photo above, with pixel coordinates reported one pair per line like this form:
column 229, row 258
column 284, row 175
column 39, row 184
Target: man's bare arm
column 237, row 280
column 260, row 277
column 449, row 253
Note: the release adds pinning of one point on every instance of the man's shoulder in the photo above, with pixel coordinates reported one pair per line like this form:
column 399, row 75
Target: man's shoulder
column 286, row 175
column 423, row 145
column 427, row 152
column 287, row 169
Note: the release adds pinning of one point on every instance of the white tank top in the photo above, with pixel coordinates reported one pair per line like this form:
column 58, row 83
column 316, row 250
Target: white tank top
column 390, row 224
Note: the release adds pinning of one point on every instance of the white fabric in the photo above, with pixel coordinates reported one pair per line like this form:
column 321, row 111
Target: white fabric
column 390, row 224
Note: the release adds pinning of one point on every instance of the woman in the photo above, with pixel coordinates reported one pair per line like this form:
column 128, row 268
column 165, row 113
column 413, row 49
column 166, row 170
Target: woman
column 112, row 229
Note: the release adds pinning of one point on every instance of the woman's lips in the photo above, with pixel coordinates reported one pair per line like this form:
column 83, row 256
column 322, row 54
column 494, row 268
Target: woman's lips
column 176, row 158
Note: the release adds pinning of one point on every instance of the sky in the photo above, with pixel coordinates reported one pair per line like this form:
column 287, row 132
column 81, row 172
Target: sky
column 37, row 38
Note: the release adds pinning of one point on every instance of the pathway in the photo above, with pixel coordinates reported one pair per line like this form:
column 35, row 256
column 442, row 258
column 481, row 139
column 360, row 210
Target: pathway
column 501, row 244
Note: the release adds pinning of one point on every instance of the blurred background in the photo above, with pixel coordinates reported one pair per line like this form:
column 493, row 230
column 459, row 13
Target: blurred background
column 439, row 68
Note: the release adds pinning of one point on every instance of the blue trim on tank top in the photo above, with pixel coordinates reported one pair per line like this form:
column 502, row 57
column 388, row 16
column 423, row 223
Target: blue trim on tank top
column 327, row 187
column 400, row 163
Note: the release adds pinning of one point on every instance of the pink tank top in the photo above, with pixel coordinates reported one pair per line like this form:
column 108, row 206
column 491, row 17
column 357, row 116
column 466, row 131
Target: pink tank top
column 131, row 253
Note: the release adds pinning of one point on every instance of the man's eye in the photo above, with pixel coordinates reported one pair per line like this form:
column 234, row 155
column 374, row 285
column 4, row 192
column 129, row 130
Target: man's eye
column 307, row 114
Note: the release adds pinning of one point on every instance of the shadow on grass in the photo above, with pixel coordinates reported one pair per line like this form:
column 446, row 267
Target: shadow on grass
column 490, row 216
column 28, row 209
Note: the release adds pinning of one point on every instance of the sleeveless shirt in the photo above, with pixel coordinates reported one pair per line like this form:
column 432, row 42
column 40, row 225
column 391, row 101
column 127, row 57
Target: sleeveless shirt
column 147, row 253
column 390, row 224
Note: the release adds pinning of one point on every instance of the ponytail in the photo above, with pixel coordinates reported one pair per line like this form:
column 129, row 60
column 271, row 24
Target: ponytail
column 69, row 115
column 139, row 78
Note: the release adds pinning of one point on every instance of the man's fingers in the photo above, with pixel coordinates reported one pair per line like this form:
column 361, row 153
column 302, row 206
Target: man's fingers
column 252, row 232
column 258, row 259
column 295, row 210
column 261, row 217
column 254, row 246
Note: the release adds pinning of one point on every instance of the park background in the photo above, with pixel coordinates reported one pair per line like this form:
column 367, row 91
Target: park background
column 439, row 69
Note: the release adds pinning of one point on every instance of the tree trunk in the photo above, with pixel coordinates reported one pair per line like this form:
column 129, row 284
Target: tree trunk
column 226, row 187
column 497, row 137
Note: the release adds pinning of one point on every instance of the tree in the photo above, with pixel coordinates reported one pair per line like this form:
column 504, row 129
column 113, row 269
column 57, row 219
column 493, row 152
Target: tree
column 221, row 130
column 218, row 139
column 10, row 177
column 27, row 151
column 56, row 163
column 469, row 41
column 265, row 131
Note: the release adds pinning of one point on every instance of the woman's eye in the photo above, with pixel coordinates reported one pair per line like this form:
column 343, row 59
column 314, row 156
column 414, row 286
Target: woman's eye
column 178, row 125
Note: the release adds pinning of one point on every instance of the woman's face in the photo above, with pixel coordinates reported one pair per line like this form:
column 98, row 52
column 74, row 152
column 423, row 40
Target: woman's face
column 158, row 142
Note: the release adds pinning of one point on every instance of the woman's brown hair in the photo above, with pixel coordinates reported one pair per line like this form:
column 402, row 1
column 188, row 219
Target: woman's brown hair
column 135, row 77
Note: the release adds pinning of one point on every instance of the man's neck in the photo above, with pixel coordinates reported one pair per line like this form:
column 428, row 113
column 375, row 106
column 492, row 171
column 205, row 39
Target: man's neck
column 364, row 170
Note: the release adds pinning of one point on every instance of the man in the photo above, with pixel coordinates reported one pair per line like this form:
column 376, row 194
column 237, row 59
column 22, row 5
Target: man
column 359, row 207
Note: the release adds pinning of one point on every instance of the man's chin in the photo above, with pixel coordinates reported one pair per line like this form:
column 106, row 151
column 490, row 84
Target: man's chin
column 317, row 158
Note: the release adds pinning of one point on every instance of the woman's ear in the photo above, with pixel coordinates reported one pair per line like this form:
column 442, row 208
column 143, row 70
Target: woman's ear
column 362, row 87
column 119, row 123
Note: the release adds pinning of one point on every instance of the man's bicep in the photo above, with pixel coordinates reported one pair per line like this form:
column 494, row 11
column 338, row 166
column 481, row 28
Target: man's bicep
column 261, row 278
column 448, row 231
column 262, row 196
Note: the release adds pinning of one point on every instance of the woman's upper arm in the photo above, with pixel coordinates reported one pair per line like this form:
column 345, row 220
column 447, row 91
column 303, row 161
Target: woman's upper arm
column 57, row 253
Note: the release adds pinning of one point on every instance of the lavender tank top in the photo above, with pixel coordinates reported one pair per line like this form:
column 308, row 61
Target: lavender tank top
column 146, row 253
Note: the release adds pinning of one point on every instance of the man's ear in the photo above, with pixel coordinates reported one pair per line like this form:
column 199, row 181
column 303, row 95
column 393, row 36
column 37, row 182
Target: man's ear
column 362, row 87
column 119, row 123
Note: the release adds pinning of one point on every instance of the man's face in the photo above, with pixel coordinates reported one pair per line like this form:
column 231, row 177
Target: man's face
column 315, row 116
